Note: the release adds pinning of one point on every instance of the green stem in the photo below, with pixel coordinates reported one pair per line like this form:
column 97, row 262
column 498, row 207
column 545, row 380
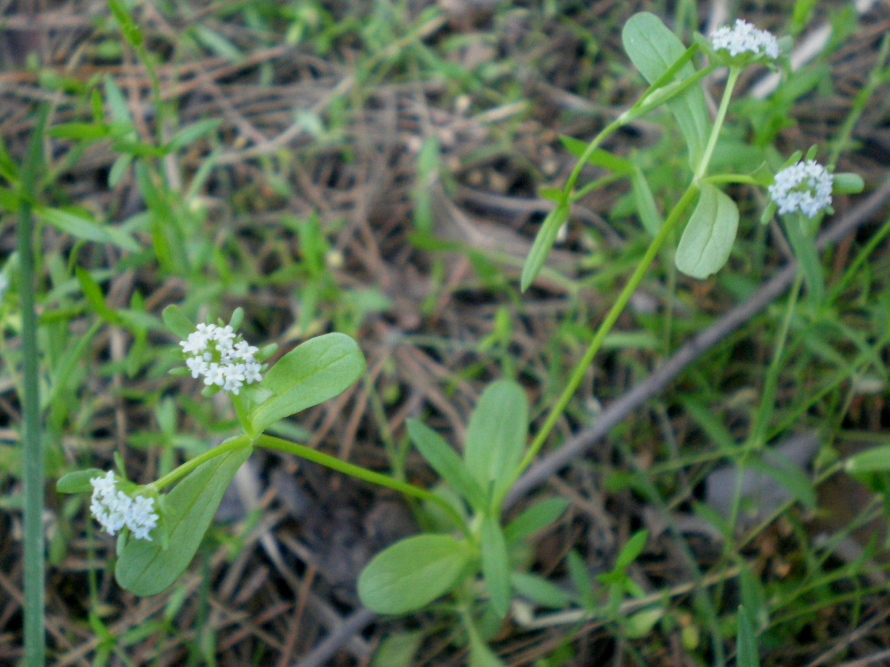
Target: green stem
column 35, row 635
column 603, row 330
column 183, row 470
column 718, row 123
column 271, row 442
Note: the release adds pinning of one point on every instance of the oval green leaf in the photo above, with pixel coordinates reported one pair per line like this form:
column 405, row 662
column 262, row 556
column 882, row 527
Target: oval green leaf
column 496, row 434
column 876, row 459
column 653, row 49
column 707, row 240
column 311, row 373
column 146, row 568
column 78, row 481
column 412, row 573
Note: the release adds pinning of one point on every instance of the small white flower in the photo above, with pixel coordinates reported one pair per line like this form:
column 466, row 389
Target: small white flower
column 244, row 351
column 805, row 187
column 197, row 366
column 222, row 357
column 234, row 374
column 214, row 374
column 114, row 509
column 745, row 38
column 142, row 519
column 196, row 342
column 252, row 372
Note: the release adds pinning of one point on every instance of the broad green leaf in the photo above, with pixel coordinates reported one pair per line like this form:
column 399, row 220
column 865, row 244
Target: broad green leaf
column 398, row 649
column 543, row 244
column 496, row 565
column 653, row 48
column 876, row 459
column 78, row 481
column 540, row 591
column 412, row 573
column 445, row 461
column 79, row 225
column 709, row 235
column 535, row 518
column 803, row 243
column 311, row 373
column 145, row 567
column 177, row 322
column 496, row 434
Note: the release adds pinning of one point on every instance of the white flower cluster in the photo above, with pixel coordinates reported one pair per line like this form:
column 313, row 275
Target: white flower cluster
column 805, row 187
column 745, row 38
column 221, row 358
column 114, row 509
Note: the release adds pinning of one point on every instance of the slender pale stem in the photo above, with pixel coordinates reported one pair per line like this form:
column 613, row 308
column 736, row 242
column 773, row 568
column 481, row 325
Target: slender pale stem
column 271, row 442
column 718, row 123
column 35, row 595
column 183, row 470
column 603, row 330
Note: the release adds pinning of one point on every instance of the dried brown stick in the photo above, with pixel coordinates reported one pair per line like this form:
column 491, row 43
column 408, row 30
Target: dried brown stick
column 331, row 645
column 622, row 408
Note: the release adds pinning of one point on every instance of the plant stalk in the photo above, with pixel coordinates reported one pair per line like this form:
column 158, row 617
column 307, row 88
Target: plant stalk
column 34, row 474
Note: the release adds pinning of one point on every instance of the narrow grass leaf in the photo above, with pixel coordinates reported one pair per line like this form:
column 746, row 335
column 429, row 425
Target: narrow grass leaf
column 599, row 158
column 96, row 298
column 496, row 565
column 86, row 132
column 445, row 461
column 580, row 576
column 412, row 573
column 79, row 225
column 653, row 48
column 632, row 550
column 146, row 568
column 540, row 591
column 496, row 434
column 129, row 28
column 746, row 647
column 535, row 518
column 191, row 133
column 311, row 373
column 709, row 235
column 543, row 244
column 647, row 209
